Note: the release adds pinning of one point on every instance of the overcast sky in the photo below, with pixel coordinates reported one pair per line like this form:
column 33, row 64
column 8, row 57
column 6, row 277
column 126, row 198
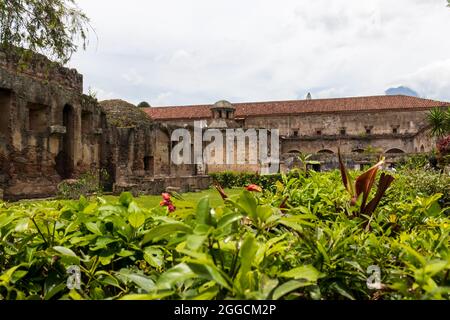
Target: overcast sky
column 178, row 52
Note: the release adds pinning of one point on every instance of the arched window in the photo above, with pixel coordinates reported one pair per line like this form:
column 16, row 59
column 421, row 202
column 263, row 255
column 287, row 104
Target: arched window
column 327, row 151
column 395, row 150
column 358, row 150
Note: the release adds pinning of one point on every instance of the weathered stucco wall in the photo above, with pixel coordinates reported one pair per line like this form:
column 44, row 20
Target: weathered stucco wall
column 384, row 132
column 354, row 123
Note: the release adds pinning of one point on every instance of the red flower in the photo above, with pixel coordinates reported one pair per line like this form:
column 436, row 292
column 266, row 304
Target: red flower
column 254, row 187
column 166, row 202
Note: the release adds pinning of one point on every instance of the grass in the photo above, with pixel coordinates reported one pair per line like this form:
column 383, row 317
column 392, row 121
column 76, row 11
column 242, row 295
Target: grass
column 151, row 201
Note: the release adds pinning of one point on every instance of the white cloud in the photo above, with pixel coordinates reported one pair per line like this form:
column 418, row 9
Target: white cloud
column 133, row 77
column 102, row 94
column 162, row 99
column 431, row 81
column 200, row 51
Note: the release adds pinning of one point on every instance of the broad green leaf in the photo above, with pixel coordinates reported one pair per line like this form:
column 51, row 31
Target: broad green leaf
column 140, row 280
column 125, row 253
column 136, row 219
column 435, row 267
column 248, row 251
column 307, row 272
column 177, row 274
column 195, row 241
column 91, row 208
column 414, row 253
column 339, row 289
column 203, row 212
column 107, row 279
column 288, row 287
column 161, row 294
column 208, row 294
column 65, row 251
column 67, row 255
column 228, row 219
column 154, row 257
column 103, row 243
column 247, row 202
column 7, row 275
column 247, row 255
column 6, row 219
column 22, row 225
column 165, row 230
column 264, row 212
column 209, row 272
column 125, row 198
column 54, row 289
column 93, row 227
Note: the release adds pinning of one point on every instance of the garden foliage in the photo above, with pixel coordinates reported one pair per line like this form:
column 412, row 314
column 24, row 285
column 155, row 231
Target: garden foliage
column 300, row 239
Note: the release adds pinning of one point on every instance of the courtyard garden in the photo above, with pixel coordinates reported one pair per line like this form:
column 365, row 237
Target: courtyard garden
column 304, row 235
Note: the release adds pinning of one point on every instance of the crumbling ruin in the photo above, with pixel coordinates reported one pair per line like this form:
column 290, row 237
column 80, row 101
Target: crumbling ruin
column 50, row 131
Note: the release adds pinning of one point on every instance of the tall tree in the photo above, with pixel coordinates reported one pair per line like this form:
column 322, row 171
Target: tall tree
column 53, row 27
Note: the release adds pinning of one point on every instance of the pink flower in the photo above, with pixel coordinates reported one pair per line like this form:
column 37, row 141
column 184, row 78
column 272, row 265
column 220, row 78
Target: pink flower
column 171, row 207
column 166, row 196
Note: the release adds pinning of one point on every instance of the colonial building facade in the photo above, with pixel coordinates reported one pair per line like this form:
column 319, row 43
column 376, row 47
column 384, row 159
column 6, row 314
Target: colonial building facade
column 362, row 127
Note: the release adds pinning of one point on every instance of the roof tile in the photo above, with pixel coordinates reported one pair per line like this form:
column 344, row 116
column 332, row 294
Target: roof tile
column 243, row 110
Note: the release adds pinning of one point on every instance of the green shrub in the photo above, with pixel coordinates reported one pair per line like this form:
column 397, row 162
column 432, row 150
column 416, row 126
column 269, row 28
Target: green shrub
column 229, row 179
column 421, row 182
column 246, row 248
column 417, row 161
column 89, row 183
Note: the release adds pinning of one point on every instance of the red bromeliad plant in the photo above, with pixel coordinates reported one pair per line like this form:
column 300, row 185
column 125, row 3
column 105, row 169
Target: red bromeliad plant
column 363, row 185
column 443, row 145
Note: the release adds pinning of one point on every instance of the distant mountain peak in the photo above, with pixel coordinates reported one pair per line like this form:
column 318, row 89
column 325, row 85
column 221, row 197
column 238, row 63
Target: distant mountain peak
column 401, row 91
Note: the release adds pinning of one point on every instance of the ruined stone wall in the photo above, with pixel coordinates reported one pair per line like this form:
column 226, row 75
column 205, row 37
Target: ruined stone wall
column 138, row 153
column 161, row 153
column 43, row 138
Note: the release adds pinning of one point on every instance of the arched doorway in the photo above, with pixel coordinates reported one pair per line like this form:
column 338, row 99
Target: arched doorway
column 64, row 159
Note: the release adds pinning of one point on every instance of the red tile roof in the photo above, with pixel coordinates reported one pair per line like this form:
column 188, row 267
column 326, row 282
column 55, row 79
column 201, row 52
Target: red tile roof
column 243, row 110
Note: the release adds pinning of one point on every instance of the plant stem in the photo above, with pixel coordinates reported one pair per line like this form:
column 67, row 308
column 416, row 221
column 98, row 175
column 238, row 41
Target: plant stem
column 39, row 230
column 53, row 233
